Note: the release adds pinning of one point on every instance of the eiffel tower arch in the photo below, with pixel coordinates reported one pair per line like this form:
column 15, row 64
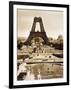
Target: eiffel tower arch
column 33, row 34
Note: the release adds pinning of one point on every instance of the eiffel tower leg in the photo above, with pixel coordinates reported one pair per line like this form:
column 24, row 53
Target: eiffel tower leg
column 41, row 26
column 33, row 27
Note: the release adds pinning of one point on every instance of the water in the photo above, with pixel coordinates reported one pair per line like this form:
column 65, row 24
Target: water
column 43, row 71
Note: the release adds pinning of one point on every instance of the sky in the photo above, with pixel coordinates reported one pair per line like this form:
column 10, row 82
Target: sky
column 52, row 22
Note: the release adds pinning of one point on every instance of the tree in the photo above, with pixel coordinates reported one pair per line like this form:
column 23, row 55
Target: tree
column 19, row 44
column 59, row 43
column 60, row 39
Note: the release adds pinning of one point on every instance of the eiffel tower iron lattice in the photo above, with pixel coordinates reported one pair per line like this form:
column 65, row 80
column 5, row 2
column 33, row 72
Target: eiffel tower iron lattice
column 34, row 34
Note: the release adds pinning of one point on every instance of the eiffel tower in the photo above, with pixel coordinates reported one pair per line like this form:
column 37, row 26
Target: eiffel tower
column 33, row 34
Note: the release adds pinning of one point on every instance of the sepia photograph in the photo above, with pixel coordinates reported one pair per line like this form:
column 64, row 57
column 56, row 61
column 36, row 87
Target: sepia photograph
column 39, row 44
